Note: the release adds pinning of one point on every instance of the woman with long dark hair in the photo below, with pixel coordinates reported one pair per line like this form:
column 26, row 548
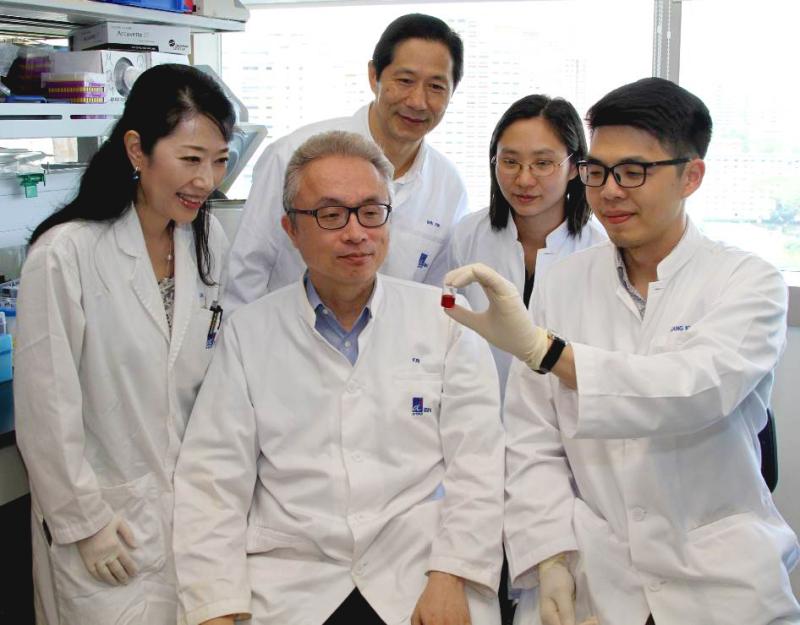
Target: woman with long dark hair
column 117, row 321
column 537, row 209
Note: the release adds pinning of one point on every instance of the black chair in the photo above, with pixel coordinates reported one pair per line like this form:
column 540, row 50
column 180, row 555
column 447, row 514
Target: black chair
column 769, row 452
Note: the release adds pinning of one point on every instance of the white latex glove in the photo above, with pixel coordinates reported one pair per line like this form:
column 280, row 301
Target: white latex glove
column 556, row 592
column 106, row 557
column 506, row 323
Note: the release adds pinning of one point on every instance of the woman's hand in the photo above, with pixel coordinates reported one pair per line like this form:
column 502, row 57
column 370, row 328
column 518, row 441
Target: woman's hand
column 105, row 554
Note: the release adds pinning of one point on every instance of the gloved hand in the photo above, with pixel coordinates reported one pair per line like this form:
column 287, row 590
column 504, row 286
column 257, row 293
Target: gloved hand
column 506, row 322
column 556, row 592
column 105, row 555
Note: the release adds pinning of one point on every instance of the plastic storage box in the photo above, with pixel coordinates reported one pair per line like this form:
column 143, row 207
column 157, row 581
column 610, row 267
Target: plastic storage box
column 178, row 6
column 76, row 87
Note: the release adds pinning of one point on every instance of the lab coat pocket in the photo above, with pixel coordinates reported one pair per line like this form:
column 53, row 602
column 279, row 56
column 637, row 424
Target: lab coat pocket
column 715, row 555
column 264, row 540
column 138, row 503
column 411, row 253
column 414, row 414
column 673, row 341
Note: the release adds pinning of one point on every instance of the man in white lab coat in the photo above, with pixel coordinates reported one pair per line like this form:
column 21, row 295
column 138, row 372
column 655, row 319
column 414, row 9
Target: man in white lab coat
column 633, row 472
column 416, row 66
column 344, row 460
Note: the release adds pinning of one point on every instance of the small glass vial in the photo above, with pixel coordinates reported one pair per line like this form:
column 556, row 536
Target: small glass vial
column 448, row 296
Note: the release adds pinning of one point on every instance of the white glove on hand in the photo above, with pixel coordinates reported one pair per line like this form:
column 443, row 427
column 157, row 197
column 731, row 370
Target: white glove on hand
column 105, row 555
column 506, row 322
column 556, row 592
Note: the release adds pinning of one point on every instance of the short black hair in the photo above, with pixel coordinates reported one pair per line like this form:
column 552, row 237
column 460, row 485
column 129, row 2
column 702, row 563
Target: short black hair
column 418, row 26
column 566, row 124
column 677, row 118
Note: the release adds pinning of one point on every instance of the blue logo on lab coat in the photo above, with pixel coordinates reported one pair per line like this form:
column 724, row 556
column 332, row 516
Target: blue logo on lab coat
column 422, row 263
column 418, row 407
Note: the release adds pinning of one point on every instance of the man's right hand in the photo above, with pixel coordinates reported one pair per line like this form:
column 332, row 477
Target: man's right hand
column 556, row 592
column 105, row 554
column 219, row 620
column 506, row 323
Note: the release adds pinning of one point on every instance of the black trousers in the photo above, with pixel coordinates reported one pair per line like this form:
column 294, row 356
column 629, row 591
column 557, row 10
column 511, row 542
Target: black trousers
column 354, row 611
column 650, row 620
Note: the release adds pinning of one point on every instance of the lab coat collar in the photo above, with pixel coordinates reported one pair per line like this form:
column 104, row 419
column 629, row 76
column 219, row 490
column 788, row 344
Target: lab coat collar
column 681, row 253
column 308, row 313
column 130, row 240
column 417, row 167
column 185, row 286
column 556, row 238
column 552, row 242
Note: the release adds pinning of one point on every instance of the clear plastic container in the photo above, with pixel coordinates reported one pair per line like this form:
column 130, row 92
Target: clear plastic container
column 448, row 296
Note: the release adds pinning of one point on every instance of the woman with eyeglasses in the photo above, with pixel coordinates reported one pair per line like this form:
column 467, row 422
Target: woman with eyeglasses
column 537, row 209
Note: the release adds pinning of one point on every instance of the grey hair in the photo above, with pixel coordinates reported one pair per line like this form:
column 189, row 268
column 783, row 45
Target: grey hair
column 332, row 143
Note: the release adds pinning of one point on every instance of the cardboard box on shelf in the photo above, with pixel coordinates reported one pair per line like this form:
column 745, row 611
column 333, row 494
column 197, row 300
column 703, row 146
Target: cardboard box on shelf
column 126, row 36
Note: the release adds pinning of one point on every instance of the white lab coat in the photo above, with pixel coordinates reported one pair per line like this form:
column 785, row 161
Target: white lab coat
column 652, row 469
column 474, row 241
column 427, row 201
column 102, row 395
column 302, row 476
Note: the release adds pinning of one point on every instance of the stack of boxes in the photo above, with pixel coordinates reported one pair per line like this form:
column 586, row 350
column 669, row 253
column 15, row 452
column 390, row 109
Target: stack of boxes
column 107, row 58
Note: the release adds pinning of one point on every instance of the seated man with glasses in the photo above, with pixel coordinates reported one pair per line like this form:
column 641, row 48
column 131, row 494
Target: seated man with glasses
column 344, row 460
column 633, row 488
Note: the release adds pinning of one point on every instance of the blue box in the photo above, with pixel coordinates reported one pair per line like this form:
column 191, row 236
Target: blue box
column 6, row 363
column 177, row 6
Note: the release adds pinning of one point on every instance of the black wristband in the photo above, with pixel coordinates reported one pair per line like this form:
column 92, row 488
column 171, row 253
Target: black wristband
column 553, row 354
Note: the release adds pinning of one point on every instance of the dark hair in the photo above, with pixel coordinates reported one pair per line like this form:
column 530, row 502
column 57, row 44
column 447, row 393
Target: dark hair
column 161, row 98
column 418, row 26
column 676, row 118
column 566, row 123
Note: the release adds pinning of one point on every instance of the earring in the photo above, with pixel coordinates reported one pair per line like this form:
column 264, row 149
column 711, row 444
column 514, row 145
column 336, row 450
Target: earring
column 136, row 175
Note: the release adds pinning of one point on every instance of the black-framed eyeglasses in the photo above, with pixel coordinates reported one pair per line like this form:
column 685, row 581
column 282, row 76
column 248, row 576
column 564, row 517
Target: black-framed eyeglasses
column 629, row 175
column 371, row 215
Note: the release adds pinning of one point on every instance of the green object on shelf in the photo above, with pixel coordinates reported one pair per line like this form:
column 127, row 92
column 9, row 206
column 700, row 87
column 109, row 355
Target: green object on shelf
column 29, row 182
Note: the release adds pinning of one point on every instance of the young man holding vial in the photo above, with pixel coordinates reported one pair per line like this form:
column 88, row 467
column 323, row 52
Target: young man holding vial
column 633, row 469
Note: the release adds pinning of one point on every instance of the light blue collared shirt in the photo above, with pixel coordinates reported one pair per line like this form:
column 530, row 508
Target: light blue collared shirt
column 331, row 330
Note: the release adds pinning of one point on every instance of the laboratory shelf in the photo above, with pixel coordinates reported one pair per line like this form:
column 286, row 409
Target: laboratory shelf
column 42, row 120
column 56, row 18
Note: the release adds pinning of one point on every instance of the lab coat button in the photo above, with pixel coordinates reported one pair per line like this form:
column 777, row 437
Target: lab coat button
column 357, row 457
column 352, row 387
column 655, row 586
column 638, row 514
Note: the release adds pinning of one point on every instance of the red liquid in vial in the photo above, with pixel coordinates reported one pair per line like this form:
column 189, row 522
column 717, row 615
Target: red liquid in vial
column 448, row 300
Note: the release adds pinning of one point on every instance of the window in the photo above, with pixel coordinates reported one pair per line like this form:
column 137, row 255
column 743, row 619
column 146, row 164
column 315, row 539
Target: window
column 297, row 65
column 731, row 58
